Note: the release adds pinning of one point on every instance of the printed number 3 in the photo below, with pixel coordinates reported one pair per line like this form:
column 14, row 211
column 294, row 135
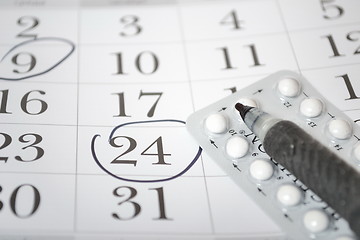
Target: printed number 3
column 131, row 26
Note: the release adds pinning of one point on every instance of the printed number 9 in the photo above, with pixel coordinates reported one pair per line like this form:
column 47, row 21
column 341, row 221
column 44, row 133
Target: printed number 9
column 24, row 59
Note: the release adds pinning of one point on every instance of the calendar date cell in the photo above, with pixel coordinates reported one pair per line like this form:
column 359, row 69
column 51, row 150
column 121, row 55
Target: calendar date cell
column 29, row 203
column 25, row 102
column 340, row 80
column 113, row 104
column 121, row 207
column 224, row 21
column 319, row 13
column 133, row 25
column 224, row 189
column 31, row 61
column 239, row 57
column 35, row 148
column 219, row 88
column 139, row 151
column 132, row 63
column 327, row 47
column 25, row 24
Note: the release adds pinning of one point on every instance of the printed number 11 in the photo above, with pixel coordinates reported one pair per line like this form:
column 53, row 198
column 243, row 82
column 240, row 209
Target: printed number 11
column 227, row 59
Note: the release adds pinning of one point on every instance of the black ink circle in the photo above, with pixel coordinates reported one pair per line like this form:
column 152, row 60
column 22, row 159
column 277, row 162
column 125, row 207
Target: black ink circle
column 37, row 40
column 134, row 180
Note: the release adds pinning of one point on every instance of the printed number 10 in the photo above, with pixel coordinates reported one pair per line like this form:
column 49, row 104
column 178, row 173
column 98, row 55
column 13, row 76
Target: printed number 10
column 145, row 58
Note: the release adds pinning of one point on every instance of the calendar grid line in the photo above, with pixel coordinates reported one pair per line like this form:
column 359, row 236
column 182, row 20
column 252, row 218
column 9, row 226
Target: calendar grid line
column 179, row 15
column 95, row 126
column 350, row 110
column 106, row 175
column 253, row 35
column 327, row 67
column 268, row 73
column 288, row 35
column 208, row 195
column 233, row 38
column 245, row 236
column 268, row 235
column 193, row 80
column 112, row 126
column 330, row 27
column 77, row 121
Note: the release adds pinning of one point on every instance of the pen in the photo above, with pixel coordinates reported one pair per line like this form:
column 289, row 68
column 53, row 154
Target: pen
column 330, row 177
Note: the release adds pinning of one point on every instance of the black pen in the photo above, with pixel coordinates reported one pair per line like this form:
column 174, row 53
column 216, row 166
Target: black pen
column 330, row 177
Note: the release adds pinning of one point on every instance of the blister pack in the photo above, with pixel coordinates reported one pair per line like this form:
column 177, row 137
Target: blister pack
column 221, row 132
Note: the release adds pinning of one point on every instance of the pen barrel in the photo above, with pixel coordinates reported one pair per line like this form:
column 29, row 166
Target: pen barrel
column 330, row 177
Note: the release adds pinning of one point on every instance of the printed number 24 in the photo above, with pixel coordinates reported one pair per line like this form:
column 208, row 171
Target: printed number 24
column 132, row 145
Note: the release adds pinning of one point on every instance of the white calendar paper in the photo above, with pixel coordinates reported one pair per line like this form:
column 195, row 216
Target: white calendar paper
column 94, row 96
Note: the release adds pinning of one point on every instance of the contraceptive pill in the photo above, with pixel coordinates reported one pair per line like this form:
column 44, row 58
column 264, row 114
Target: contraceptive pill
column 288, row 87
column 316, row 221
column 237, row 147
column 216, row 123
column 340, row 129
column 311, row 107
column 261, row 169
column 289, row 195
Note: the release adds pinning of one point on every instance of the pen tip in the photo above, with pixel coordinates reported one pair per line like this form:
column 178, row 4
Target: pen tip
column 242, row 109
column 239, row 106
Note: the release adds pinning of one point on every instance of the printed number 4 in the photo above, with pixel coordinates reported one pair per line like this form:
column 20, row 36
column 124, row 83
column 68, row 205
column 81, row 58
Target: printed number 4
column 232, row 19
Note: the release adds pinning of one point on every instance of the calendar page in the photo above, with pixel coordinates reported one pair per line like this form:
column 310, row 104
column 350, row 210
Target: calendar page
column 94, row 96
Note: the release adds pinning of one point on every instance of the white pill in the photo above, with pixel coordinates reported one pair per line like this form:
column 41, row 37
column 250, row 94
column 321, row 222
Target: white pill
column 316, row 221
column 289, row 87
column 237, row 147
column 261, row 169
column 340, row 129
column 357, row 152
column 311, row 107
column 248, row 102
column 289, row 195
column 216, row 123
column 345, row 238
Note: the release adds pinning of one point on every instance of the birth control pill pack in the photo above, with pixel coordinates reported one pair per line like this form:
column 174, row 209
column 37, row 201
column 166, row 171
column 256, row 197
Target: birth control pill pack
column 220, row 131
